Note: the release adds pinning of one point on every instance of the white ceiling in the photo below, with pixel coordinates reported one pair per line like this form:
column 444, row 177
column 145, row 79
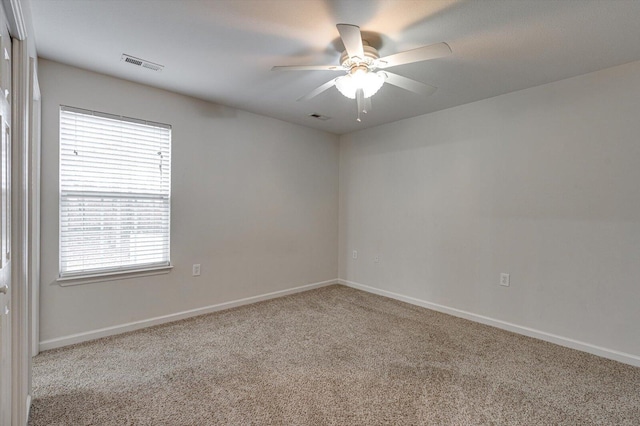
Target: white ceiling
column 223, row 50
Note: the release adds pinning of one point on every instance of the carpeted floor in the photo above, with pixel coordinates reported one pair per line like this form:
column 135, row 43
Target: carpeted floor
column 329, row 356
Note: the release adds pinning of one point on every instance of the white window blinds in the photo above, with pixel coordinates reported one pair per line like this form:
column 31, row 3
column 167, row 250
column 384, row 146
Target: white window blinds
column 115, row 192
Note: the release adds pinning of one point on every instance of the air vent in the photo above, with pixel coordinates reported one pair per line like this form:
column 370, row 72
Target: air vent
column 319, row 116
column 141, row 63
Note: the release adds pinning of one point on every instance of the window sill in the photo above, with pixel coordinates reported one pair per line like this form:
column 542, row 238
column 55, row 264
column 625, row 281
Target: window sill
column 112, row 276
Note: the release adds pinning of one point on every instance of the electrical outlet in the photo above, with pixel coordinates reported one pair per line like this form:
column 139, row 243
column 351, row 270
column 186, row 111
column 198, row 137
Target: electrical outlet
column 504, row 279
column 355, row 254
column 195, row 271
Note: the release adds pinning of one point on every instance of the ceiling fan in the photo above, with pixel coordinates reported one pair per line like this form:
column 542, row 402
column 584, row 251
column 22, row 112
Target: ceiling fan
column 360, row 62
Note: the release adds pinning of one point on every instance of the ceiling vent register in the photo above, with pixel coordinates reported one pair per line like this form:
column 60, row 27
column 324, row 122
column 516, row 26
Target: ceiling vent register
column 141, row 63
column 319, row 116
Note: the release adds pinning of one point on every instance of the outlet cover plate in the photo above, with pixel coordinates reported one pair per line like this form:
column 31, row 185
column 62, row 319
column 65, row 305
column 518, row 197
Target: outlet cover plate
column 504, row 280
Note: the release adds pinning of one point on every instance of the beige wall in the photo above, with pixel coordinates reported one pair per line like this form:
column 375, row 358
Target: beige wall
column 543, row 184
column 254, row 201
column 540, row 183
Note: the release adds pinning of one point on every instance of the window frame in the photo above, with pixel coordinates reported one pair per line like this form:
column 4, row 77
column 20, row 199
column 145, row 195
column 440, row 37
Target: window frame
column 90, row 275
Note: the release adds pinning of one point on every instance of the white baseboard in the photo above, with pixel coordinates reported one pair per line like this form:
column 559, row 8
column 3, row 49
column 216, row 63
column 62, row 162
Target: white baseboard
column 136, row 325
column 549, row 337
column 553, row 338
column 28, row 406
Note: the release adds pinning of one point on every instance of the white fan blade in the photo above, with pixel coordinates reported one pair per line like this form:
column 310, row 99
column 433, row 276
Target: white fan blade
column 315, row 92
column 409, row 84
column 308, row 68
column 432, row 51
column 352, row 39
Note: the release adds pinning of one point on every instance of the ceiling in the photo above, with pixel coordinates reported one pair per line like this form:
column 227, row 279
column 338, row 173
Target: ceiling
column 223, row 50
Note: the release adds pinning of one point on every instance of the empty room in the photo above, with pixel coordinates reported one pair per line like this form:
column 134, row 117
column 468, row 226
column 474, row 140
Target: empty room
column 310, row 212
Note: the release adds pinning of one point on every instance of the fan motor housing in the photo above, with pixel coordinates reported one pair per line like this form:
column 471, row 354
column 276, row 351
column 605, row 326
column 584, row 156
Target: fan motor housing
column 370, row 55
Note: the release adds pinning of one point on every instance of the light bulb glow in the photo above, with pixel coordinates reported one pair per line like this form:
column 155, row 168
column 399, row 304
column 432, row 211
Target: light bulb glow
column 361, row 78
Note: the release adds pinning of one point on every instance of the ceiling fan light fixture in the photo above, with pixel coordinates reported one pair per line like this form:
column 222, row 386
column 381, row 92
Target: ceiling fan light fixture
column 359, row 78
column 360, row 60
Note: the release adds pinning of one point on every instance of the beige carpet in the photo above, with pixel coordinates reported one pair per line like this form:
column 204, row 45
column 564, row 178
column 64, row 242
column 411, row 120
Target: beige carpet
column 329, row 356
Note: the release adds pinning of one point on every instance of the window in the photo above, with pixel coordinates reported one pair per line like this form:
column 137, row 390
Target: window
column 115, row 193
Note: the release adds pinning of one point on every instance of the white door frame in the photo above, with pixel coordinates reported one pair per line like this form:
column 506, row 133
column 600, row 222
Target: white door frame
column 20, row 345
column 34, row 205
column 21, row 320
